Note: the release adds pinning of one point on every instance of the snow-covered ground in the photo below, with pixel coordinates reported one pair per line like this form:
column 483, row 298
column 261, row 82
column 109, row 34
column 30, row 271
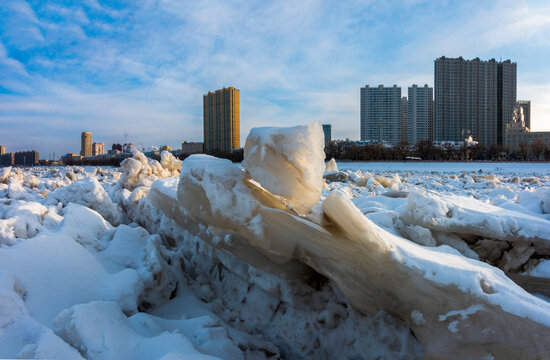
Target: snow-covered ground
column 519, row 168
column 90, row 268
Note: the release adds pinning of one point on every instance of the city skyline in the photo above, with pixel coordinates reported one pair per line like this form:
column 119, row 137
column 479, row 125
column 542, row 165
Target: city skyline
column 64, row 69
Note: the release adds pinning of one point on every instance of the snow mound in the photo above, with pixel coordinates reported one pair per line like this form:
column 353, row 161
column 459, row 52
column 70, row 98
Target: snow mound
column 87, row 192
column 288, row 162
column 142, row 171
column 100, row 330
column 86, row 226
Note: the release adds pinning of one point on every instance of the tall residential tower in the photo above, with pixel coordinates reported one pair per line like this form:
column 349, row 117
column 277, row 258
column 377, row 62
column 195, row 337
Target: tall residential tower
column 221, row 120
column 420, row 114
column 86, row 144
column 473, row 97
column 381, row 114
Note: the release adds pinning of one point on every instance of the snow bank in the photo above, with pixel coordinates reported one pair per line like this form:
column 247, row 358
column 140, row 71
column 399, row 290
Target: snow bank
column 100, row 330
column 288, row 162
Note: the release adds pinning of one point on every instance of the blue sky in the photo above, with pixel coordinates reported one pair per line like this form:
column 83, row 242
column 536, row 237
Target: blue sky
column 135, row 71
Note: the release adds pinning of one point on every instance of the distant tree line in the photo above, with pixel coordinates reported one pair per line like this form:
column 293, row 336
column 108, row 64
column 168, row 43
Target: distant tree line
column 425, row 150
column 349, row 150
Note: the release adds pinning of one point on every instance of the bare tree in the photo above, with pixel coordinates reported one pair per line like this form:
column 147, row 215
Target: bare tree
column 538, row 147
column 523, row 150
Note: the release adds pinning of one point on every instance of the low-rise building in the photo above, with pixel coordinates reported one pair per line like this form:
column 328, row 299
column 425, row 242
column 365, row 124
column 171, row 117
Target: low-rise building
column 519, row 135
column 71, row 156
column 192, row 147
column 516, row 136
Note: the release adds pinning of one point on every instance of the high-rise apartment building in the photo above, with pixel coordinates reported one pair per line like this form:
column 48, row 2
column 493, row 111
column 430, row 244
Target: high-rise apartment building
column 404, row 118
column 2, row 149
column 381, row 114
column 98, row 149
column 327, row 130
column 221, row 120
column 420, row 114
column 473, row 97
column 86, row 144
column 526, row 106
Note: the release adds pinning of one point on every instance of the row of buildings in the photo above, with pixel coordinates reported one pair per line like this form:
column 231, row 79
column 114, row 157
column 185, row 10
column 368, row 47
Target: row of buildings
column 20, row 158
column 470, row 98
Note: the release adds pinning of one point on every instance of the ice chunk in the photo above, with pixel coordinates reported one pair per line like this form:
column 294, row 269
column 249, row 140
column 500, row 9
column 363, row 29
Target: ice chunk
column 170, row 163
column 17, row 191
column 542, row 269
column 465, row 284
column 134, row 248
column 5, row 174
column 142, row 171
column 336, row 176
column 457, row 243
column 221, row 183
column 376, row 269
column 449, row 213
column 86, row 226
column 28, row 218
column 90, row 193
column 420, row 235
column 384, row 181
column 331, row 165
column 288, row 162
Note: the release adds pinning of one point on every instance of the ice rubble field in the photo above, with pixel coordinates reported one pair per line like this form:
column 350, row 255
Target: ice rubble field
column 88, row 268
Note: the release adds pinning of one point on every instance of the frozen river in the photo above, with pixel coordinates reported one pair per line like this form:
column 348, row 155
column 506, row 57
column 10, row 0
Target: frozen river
column 524, row 168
